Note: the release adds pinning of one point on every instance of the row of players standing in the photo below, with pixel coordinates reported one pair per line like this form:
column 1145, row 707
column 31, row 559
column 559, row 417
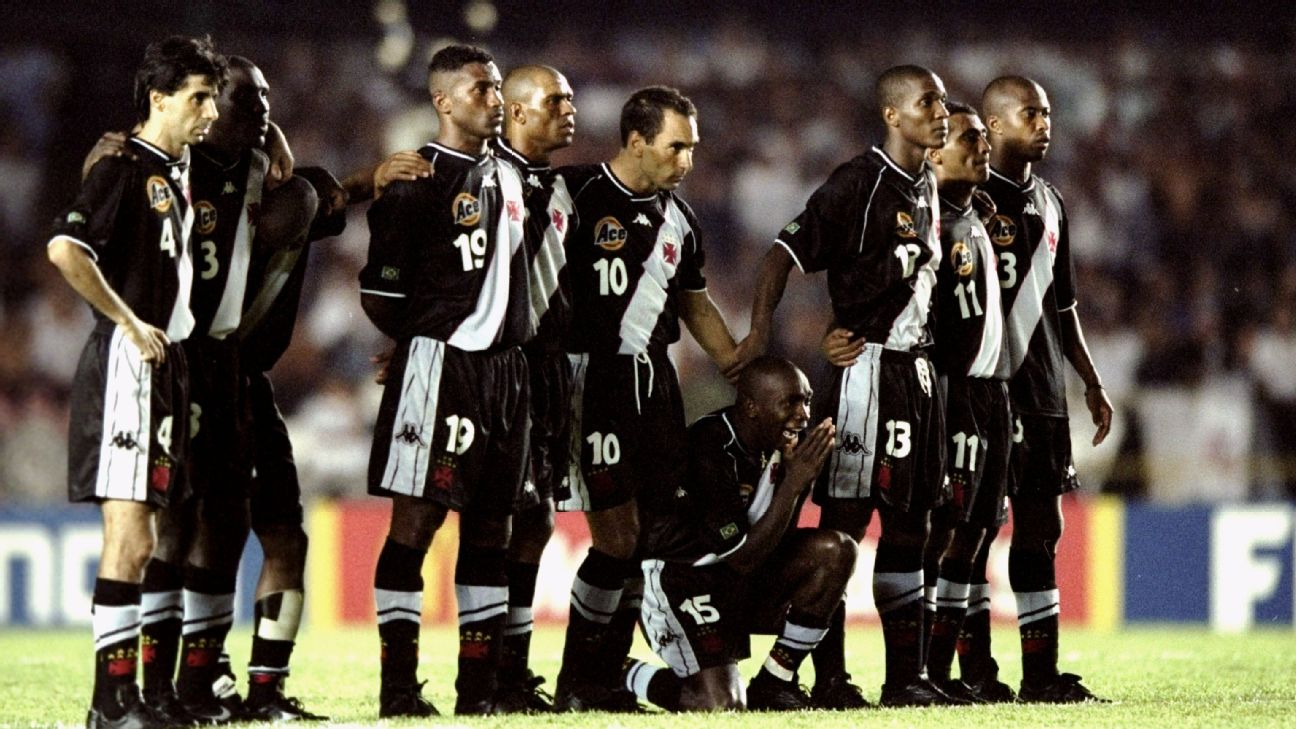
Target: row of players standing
column 452, row 432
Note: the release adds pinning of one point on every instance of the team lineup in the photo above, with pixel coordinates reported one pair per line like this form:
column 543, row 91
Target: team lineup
column 531, row 309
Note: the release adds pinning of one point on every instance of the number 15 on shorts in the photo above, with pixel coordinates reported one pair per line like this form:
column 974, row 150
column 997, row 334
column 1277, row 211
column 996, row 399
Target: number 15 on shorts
column 701, row 609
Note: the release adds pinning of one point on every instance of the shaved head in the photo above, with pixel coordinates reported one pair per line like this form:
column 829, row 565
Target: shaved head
column 896, row 83
column 765, row 376
column 524, row 81
column 1006, row 93
column 773, row 403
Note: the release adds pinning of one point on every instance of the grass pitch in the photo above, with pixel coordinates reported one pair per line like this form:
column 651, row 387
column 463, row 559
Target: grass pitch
column 1156, row 677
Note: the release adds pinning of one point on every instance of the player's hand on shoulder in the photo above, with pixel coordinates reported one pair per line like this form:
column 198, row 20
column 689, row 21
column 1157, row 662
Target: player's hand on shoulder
column 111, row 144
column 402, row 166
column 1100, row 409
column 804, row 458
column 751, row 347
column 382, row 361
column 150, row 340
column 332, row 195
column 281, row 157
column 841, row 347
column 984, row 205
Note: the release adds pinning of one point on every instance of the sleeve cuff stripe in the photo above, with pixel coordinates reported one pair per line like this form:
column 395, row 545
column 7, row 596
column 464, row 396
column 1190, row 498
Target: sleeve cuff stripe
column 93, row 255
column 388, row 294
column 788, row 248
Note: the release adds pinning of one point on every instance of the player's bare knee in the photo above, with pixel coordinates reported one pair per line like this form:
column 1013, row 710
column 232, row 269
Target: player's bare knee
column 532, row 530
column 415, row 521
column 487, row 529
column 284, row 547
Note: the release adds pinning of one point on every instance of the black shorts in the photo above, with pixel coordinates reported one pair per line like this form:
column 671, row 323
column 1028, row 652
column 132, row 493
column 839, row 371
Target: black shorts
column 125, row 440
column 452, row 426
column 1041, row 463
column 627, row 428
column 551, row 387
column 978, row 430
column 693, row 616
column 275, row 491
column 890, row 432
column 220, row 462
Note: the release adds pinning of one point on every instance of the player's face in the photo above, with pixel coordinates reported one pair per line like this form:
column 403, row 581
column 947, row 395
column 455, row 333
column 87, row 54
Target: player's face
column 922, row 116
column 966, row 154
column 669, row 158
column 1025, row 130
column 244, row 107
column 189, row 112
column 786, row 411
column 476, row 106
column 551, row 113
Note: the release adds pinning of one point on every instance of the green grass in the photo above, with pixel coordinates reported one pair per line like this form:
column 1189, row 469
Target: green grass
column 1157, row 678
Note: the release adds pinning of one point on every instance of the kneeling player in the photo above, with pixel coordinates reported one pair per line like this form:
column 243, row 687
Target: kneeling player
column 728, row 561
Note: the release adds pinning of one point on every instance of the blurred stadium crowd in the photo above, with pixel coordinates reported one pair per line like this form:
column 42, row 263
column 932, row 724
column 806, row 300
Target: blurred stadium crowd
column 1171, row 155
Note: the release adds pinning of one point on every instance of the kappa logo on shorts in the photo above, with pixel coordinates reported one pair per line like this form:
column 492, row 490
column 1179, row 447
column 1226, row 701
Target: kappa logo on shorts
column 204, row 217
column 924, row 375
column 665, row 639
column 125, row 440
column 159, row 193
column 1002, row 229
column 852, row 443
column 466, row 209
column 409, row 435
column 905, row 225
column 609, row 234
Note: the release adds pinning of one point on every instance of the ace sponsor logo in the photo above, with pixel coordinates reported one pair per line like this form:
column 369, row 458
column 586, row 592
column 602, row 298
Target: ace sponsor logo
column 159, row 194
column 466, row 209
column 609, row 234
column 204, row 217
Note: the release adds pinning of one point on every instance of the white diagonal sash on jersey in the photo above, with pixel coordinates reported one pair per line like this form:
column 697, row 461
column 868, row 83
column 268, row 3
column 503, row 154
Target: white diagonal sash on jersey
column 1028, row 307
column 850, row 468
column 579, row 499
column 552, row 255
column 987, row 358
column 479, row 330
column 907, row 329
column 231, row 303
column 127, row 430
column 649, row 298
column 277, row 272
column 408, row 457
column 181, row 322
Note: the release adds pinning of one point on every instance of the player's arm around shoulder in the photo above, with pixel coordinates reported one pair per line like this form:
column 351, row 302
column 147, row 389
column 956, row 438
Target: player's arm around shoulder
column 707, row 325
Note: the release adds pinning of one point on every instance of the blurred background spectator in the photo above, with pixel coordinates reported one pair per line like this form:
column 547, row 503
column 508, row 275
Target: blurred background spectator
column 1169, row 147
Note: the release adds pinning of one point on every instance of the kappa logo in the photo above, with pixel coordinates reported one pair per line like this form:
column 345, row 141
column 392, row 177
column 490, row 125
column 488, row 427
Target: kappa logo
column 409, row 435
column 1002, row 229
column 204, row 217
column 1030, row 209
column 609, row 234
column 922, row 203
column 466, row 209
column 961, row 259
column 533, row 181
column 665, row 639
column 125, row 440
column 642, row 219
column 488, row 181
column 159, row 193
column 229, row 188
column 905, row 225
column 852, row 443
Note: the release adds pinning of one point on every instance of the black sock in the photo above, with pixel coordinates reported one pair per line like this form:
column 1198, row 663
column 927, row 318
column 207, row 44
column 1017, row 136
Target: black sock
column 622, row 628
column 952, row 591
column 1030, row 572
column 161, row 613
column 398, row 595
column 829, row 657
column 116, row 624
column 517, row 629
column 595, row 596
column 274, row 632
column 975, row 661
column 656, row 685
column 481, row 590
column 209, row 614
column 898, row 594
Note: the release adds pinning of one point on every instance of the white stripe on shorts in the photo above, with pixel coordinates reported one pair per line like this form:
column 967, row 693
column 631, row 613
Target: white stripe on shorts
column 579, row 499
column 127, row 430
column 850, row 467
column 659, row 622
column 411, row 446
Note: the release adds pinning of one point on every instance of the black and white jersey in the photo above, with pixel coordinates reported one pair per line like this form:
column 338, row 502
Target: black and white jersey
column 451, row 246
column 969, row 316
column 874, row 228
column 550, row 217
column 226, row 199
column 1036, row 278
column 728, row 489
column 133, row 217
column 629, row 257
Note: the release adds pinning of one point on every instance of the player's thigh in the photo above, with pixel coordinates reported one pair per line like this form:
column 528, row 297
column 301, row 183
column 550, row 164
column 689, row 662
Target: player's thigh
column 275, row 491
column 1041, row 463
column 690, row 617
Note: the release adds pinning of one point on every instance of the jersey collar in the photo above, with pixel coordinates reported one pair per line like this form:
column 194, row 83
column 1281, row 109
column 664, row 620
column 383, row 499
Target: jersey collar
column 461, row 155
column 182, row 161
column 891, row 163
column 1024, row 187
column 607, row 170
column 506, row 150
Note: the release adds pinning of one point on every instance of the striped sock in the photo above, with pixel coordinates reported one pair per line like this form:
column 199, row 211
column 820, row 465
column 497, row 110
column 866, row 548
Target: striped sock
column 595, row 595
column 398, row 596
column 800, row 635
column 652, row 684
column 276, row 620
column 951, row 607
column 161, row 613
column 116, row 625
column 1034, row 586
column 898, row 594
column 517, row 628
column 208, row 616
column 481, row 591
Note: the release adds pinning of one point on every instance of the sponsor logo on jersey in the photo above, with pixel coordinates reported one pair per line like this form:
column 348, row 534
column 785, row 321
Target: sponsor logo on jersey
column 159, row 193
column 961, row 259
column 905, row 225
column 466, row 209
column 609, row 234
column 1002, row 229
column 204, row 217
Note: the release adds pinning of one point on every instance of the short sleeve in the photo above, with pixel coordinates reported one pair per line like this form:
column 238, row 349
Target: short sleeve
column 90, row 220
column 694, row 257
column 716, row 497
column 393, row 220
column 817, row 236
column 1063, row 267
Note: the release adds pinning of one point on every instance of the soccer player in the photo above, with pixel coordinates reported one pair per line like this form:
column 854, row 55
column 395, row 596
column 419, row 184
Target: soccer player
column 873, row 225
column 1029, row 233
column 124, row 246
column 446, row 278
column 635, row 261
column 540, row 118
column 727, row 560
